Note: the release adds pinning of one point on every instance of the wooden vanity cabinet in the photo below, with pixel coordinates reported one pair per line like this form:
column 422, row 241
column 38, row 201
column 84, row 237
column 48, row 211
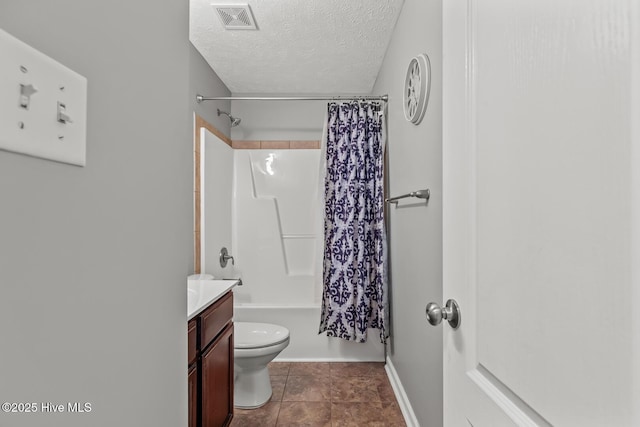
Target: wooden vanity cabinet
column 217, row 381
column 192, row 353
column 212, row 399
column 193, row 396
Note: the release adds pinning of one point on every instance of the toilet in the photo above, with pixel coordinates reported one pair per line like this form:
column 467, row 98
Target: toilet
column 255, row 345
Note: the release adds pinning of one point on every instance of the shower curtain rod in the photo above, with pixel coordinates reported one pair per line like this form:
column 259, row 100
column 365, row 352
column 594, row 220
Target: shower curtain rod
column 385, row 98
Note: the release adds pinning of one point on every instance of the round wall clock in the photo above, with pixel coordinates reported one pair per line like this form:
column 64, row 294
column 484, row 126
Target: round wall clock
column 416, row 88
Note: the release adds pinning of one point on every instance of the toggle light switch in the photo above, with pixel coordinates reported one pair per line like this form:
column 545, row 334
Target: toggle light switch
column 63, row 117
column 25, row 95
column 50, row 118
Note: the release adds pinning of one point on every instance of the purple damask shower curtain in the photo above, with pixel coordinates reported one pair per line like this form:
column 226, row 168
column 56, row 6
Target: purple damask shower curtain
column 355, row 256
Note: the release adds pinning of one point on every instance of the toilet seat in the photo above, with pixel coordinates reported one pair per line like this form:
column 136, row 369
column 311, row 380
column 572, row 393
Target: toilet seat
column 250, row 335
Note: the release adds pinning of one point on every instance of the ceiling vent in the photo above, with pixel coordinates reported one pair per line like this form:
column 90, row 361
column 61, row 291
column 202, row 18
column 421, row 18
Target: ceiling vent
column 236, row 16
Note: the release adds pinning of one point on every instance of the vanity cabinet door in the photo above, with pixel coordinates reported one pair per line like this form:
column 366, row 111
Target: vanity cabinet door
column 192, row 337
column 192, row 353
column 217, row 381
column 193, row 396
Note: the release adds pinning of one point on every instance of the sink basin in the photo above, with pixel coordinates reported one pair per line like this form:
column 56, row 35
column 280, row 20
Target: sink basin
column 201, row 293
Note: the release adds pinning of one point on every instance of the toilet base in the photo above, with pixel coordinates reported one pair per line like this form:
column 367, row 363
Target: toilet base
column 252, row 387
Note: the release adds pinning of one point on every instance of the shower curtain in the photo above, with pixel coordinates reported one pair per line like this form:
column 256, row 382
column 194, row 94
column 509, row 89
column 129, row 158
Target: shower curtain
column 354, row 295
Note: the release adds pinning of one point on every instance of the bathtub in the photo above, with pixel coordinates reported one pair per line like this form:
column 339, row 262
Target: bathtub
column 305, row 342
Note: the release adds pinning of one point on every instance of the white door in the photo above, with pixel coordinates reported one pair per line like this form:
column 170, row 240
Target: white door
column 542, row 212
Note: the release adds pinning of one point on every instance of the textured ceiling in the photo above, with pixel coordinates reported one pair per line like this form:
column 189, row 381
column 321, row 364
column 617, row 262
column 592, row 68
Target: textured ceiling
column 301, row 46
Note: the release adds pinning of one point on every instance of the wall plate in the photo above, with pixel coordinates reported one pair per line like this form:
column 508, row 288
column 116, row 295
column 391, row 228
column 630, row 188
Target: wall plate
column 43, row 105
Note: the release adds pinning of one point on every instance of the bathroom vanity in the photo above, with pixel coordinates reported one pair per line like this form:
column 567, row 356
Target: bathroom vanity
column 210, row 352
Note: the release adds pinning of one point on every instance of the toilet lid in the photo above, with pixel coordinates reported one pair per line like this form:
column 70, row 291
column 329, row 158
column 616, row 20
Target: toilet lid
column 255, row 335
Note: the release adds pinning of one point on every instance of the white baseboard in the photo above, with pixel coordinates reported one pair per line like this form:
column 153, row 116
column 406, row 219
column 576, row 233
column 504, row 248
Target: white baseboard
column 401, row 396
column 325, row 359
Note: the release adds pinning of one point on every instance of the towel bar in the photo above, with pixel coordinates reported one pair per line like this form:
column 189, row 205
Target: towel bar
column 420, row 194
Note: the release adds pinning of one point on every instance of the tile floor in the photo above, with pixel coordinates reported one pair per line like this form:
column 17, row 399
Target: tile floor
column 326, row 395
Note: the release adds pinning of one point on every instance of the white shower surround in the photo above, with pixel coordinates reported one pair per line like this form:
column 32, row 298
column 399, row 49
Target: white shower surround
column 306, row 344
column 275, row 226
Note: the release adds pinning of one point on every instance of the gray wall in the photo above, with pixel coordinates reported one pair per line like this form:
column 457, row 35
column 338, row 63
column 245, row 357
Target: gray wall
column 204, row 81
column 415, row 162
column 93, row 260
column 278, row 120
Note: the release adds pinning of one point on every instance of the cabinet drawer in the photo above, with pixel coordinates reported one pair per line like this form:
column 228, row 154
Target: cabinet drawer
column 192, row 336
column 215, row 318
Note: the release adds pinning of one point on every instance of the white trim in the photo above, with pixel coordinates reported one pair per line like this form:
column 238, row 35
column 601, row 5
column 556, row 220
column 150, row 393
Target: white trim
column 324, row 360
column 401, row 396
column 516, row 409
column 203, row 255
column 635, row 202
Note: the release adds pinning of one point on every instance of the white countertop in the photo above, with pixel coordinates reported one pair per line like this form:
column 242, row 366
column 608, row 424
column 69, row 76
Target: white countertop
column 202, row 293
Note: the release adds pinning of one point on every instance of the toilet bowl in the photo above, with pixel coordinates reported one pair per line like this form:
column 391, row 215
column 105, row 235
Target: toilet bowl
column 255, row 345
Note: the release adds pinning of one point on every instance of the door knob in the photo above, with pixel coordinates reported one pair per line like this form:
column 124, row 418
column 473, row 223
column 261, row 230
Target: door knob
column 450, row 313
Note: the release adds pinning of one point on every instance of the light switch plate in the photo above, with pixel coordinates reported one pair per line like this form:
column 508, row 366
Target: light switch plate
column 53, row 123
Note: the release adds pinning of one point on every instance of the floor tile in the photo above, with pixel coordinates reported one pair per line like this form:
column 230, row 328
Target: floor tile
column 356, row 369
column 378, row 369
column 369, row 414
column 358, row 424
column 304, row 368
column 392, row 414
column 385, row 391
column 265, row 416
column 356, row 413
column 354, row 389
column 345, row 394
column 307, row 389
column 309, row 414
column 278, row 368
column 277, row 386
